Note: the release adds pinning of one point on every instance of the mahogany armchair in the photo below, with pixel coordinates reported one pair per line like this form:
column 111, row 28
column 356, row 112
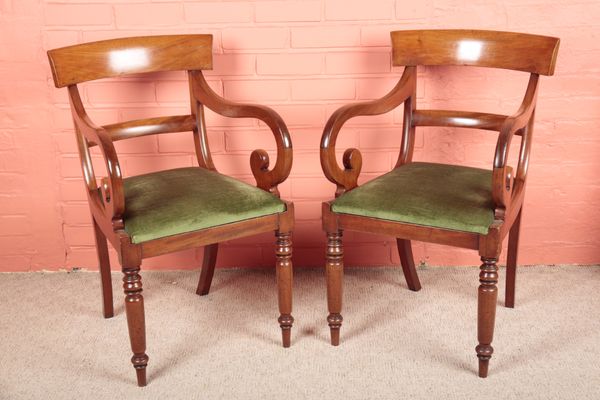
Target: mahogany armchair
column 148, row 215
column 447, row 204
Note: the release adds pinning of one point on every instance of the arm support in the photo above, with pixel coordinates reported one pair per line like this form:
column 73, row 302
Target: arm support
column 346, row 178
column 112, row 202
column 259, row 159
column 502, row 180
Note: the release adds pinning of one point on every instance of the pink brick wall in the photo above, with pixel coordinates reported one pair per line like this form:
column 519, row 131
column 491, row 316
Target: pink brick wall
column 304, row 59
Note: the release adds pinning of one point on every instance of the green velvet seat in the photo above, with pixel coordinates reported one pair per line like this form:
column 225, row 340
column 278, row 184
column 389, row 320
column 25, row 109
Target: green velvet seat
column 437, row 195
column 183, row 200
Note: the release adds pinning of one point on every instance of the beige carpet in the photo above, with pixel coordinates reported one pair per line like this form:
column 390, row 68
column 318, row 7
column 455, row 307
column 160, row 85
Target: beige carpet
column 396, row 344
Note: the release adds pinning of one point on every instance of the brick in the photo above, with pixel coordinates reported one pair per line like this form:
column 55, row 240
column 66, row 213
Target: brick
column 301, row 114
column 289, row 64
column 95, row 35
column 555, row 15
column 232, row 64
column 367, row 255
column 377, row 35
column 307, row 234
column 214, row 120
column 357, row 63
column 184, row 142
column 375, row 88
column 325, row 36
column 310, row 164
column 181, row 260
column 307, row 210
column 232, row 256
column 16, row 263
column 141, row 145
column 248, row 140
column 357, row 10
column 254, row 38
column 137, row 165
column 78, row 14
column 55, row 39
column 323, row 89
column 15, row 225
column 79, row 235
column 86, row 257
column 73, row 190
column 414, row 9
column 218, row 12
column 148, row 15
column 235, row 164
column 7, row 141
column 287, row 11
column 13, row 245
column 309, row 256
column 13, row 161
column 173, row 92
column 133, row 113
column 312, row 188
column 256, row 90
column 76, row 214
column 384, row 138
column 120, row 92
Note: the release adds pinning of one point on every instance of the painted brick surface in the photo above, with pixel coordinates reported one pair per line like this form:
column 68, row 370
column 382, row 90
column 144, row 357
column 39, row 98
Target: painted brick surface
column 304, row 59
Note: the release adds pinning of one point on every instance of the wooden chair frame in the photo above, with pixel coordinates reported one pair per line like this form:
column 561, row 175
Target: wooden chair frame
column 523, row 52
column 85, row 62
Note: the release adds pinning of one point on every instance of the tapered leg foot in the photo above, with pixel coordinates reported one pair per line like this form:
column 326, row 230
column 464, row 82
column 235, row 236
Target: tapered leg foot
column 285, row 322
column 134, row 307
column 208, row 269
column 283, row 253
column 335, row 323
column 140, row 371
column 511, row 262
column 335, row 273
column 486, row 312
column 484, row 353
column 408, row 265
column 105, row 278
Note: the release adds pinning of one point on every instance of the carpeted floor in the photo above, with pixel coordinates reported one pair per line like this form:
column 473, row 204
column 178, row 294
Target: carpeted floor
column 396, row 344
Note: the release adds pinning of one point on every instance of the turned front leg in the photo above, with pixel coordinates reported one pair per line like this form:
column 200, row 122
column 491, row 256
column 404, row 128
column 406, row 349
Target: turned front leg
column 486, row 312
column 283, row 253
column 335, row 272
column 134, row 307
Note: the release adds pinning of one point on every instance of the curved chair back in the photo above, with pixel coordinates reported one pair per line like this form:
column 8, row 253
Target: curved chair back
column 508, row 50
column 108, row 58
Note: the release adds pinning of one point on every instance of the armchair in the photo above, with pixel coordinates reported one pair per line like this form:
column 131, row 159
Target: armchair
column 148, row 215
column 447, row 204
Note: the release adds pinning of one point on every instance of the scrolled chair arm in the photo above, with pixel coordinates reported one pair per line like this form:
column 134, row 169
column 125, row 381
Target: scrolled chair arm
column 346, row 179
column 502, row 176
column 259, row 159
column 112, row 200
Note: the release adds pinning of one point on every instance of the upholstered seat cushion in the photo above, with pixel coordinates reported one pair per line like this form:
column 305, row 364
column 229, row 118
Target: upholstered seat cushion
column 436, row 195
column 182, row 200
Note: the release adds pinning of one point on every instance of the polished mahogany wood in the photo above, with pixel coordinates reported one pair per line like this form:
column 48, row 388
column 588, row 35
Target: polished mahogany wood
column 511, row 261
column 408, row 264
column 346, row 178
column 507, row 50
column 191, row 53
column 150, row 126
column 458, row 119
column 486, row 312
column 109, row 58
column 283, row 265
column 334, row 268
column 208, row 268
column 105, row 277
